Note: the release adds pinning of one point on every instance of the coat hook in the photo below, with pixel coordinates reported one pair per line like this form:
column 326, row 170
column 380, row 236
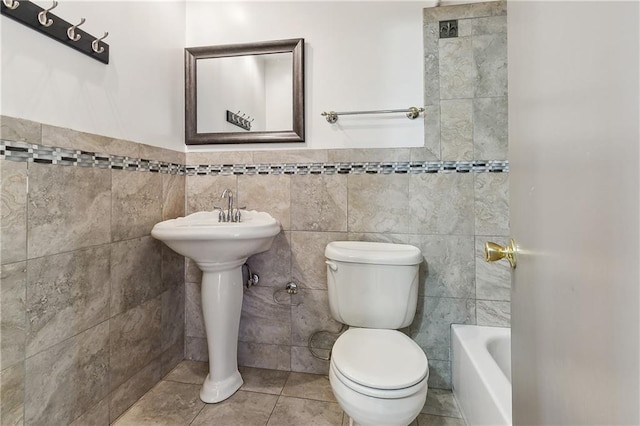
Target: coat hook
column 94, row 43
column 42, row 16
column 71, row 32
column 11, row 4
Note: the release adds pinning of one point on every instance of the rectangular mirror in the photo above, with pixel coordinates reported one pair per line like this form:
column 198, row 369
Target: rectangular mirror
column 245, row 93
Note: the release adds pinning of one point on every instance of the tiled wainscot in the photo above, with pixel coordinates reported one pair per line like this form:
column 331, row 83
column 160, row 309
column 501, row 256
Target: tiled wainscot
column 92, row 306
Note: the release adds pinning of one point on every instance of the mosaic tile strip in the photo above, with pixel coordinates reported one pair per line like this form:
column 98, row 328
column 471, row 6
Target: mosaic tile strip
column 27, row 152
column 416, row 167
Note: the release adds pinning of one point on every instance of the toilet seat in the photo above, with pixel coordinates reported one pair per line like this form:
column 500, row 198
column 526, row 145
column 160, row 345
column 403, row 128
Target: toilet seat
column 379, row 363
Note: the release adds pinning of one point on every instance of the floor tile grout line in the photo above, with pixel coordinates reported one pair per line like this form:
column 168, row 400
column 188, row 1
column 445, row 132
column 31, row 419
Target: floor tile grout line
column 277, row 400
column 440, row 415
column 196, row 416
column 274, row 407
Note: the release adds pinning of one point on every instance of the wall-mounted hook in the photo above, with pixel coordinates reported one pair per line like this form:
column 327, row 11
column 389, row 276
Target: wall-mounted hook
column 43, row 18
column 239, row 119
column 71, row 32
column 94, row 43
column 11, row 4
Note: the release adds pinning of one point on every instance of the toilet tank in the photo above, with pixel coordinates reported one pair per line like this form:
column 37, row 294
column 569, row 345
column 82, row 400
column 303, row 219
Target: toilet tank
column 372, row 285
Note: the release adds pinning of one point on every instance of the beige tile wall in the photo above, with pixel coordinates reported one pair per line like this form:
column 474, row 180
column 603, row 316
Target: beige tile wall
column 437, row 213
column 92, row 307
column 448, row 216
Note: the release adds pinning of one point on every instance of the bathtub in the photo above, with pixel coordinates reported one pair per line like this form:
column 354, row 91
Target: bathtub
column 482, row 373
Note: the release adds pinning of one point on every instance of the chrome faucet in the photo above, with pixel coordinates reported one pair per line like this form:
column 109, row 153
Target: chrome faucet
column 230, row 215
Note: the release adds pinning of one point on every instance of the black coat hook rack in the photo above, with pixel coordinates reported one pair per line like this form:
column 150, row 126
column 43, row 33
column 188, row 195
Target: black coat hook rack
column 27, row 13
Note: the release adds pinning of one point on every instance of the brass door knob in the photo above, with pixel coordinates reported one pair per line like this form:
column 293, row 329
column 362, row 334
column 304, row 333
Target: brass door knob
column 494, row 252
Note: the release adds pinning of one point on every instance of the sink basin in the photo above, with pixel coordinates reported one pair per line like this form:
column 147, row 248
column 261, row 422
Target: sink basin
column 220, row 249
column 213, row 244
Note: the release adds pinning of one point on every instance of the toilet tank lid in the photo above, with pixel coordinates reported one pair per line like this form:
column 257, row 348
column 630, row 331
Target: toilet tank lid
column 374, row 253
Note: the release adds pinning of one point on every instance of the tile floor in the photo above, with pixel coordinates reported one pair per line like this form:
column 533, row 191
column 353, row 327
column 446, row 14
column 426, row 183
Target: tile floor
column 268, row 397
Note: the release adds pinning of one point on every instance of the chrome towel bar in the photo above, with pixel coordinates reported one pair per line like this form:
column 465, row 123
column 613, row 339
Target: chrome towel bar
column 411, row 113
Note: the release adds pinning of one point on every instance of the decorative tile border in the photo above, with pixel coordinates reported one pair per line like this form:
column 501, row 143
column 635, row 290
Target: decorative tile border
column 400, row 167
column 28, row 152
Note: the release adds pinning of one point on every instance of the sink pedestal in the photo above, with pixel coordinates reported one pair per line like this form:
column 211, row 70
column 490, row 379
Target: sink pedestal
column 222, row 292
column 220, row 249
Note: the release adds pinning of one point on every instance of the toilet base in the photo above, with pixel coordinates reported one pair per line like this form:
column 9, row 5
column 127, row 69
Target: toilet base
column 364, row 410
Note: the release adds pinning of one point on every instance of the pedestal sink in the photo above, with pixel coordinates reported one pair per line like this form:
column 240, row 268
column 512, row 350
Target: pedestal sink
column 220, row 249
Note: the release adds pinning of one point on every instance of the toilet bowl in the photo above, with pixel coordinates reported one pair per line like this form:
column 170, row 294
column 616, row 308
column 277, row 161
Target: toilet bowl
column 377, row 373
column 379, row 377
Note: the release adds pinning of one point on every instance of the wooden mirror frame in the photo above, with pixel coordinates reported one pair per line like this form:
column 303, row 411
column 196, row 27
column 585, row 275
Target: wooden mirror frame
column 295, row 46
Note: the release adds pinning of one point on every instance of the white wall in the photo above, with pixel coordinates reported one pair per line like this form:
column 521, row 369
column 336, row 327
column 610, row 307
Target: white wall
column 138, row 96
column 359, row 56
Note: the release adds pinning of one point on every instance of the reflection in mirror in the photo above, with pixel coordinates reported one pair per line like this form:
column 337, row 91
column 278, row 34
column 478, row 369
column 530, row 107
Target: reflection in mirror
column 245, row 93
column 256, row 90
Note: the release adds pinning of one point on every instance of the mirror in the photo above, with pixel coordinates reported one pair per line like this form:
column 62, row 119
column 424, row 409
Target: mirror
column 245, row 93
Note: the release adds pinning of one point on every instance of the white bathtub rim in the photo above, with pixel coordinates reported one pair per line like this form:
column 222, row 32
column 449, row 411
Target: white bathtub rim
column 470, row 334
column 473, row 342
column 484, row 363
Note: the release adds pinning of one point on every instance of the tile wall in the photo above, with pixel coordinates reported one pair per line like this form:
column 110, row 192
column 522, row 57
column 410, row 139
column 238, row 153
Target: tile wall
column 92, row 307
column 466, row 93
column 449, row 216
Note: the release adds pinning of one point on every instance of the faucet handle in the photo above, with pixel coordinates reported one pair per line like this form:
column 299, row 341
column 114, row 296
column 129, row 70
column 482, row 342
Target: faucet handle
column 220, row 213
column 238, row 216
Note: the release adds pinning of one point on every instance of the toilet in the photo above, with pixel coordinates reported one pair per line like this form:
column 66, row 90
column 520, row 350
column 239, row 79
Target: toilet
column 377, row 373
